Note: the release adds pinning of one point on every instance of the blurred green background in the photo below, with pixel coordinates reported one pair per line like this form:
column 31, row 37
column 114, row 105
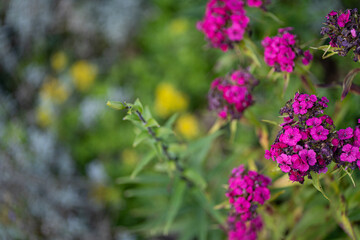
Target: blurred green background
column 64, row 154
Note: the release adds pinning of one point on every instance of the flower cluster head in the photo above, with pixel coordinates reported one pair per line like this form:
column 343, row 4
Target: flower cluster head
column 231, row 95
column 307, row 140
column 247, row 189
column 225, row 22
column 343, row 29
column 282, row 51
column 347, row 147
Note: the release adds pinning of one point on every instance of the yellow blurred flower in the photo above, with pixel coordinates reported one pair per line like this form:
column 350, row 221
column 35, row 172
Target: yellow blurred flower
column 58, row 61
column 169, row 100
column 83, row 74
column 178, row 26
column 43, row 117
column 54, row 90
column 188, row 126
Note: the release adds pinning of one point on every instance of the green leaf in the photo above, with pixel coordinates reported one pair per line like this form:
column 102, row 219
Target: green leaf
column 251, row 51
column 140, row 137
column 175, row 203
column 163, row 132
column 132, row 118
column 116, row 105
column 270, row 122
column 274, row 17
column 343, row 220
column 205, row 203
column 348, row 82
column 138, row 106
column 152, row 123
column 317, row 184
column 144, row 161
column 170, row 122
column 195, row 178
column 349, row 174
column 146, row 113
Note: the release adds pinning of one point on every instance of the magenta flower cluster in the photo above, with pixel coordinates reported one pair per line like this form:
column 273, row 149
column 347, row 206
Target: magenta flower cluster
column 225, row 21
column 347, row 153
column 307, row 140
column 282, row 51
column 247, row 189
column 230, row 96
column 343, row 29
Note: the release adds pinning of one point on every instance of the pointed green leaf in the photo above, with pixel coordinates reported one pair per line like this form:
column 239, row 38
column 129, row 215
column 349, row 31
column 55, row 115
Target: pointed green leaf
column 205, row 203
column 195, row 178
column 349, row 174
column 140, row 137
column 170, row 122
column 270, row 122
column 163, row 132
column 116, row 105
column 138, row 106
column 152, row 123
column 132, row 117
column 273, row 17
column 146, row 113
column 317, row 184
column 348, row 82
column 143, row 162
column 343, row 220
column 175, row 203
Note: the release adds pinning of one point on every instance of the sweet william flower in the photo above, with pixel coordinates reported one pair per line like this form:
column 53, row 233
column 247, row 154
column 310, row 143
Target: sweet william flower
column 231, row 96
column 345, row 133
column 306, row 141
column 282, row 51
column 342, row 28
column 319, row 133
column 350, row 153
column 247, row 190
column 343, row 19
column 291, row 136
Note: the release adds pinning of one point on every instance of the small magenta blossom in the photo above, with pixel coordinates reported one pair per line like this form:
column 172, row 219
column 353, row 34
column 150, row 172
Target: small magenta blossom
column 348, row 153
column 307, row 141
column 231, row 96
column 346, row 133
column 282, row 51
column 247, row 190
column 343, row 19
column 343, row 29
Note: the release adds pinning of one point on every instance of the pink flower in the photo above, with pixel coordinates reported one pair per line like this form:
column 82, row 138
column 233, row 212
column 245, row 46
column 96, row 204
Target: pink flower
column 299, row 163
column 300, row 107
column 222, row 114
column 313, row 121
column 242, row 205
column 309, row 156
column 319, row 133
column 235, row 32
column 254, row 3
column 291, row 136
column 345, row 133
column 353, row 33
column 307, row 57
column 343, row 19
column 284, row 162
column 350, row 153
column 261, row 194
